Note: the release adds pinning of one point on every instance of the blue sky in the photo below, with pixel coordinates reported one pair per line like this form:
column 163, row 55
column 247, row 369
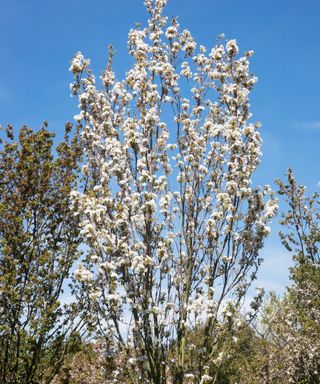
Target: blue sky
column 39, row 37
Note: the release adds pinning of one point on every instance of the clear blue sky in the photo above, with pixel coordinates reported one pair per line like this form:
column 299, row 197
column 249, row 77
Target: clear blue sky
column 39, row 37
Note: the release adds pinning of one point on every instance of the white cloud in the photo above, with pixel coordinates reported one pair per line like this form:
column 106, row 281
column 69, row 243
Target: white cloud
column 309, row 126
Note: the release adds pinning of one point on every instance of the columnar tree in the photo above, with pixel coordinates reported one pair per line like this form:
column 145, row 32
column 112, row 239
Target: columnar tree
column 171, row 219
column 38, row 246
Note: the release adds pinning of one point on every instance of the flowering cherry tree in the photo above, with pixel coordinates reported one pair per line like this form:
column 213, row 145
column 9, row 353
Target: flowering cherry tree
column 171, row 220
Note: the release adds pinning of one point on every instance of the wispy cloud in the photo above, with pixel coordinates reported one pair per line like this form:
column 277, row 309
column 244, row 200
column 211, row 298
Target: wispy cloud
column 309, row 126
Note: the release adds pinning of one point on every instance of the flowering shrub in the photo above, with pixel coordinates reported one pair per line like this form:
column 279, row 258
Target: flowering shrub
column 89, row 365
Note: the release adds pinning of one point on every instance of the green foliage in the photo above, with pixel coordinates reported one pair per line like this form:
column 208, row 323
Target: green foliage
column 39, row 241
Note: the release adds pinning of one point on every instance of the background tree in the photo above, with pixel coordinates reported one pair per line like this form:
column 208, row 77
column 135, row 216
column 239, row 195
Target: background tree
column 289, row 327
column 39, row 240
column 301, row 236
column 173, row 225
